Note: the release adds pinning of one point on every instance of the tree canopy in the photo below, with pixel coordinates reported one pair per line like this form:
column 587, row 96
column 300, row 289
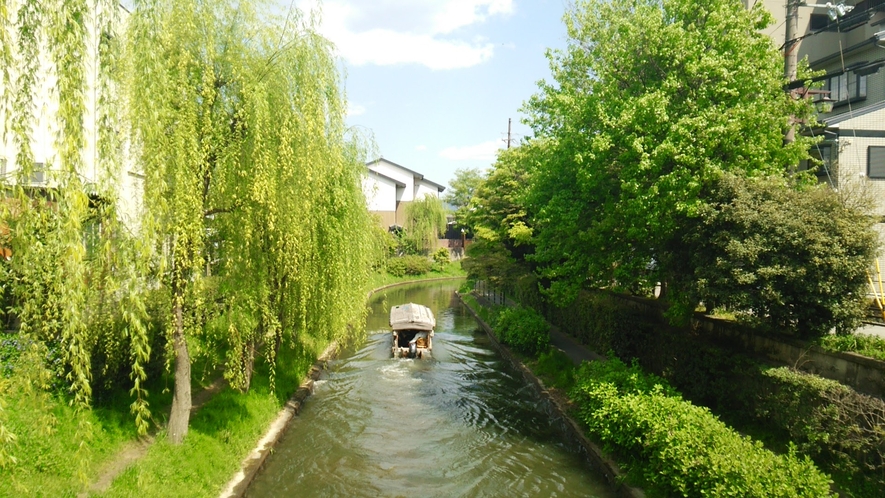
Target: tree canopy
column 651, row 101
column 463, row 187
column 659, row 156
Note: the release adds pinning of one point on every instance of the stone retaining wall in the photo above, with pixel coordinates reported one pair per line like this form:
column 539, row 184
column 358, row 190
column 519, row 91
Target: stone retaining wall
column 863, row 374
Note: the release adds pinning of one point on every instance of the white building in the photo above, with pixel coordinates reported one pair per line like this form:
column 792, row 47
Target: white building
column 389, row 187
column 44, row 132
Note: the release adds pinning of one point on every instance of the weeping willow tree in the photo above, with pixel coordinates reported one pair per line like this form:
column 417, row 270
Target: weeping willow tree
column 425, row 221
column 249, row 175
column 70, row 273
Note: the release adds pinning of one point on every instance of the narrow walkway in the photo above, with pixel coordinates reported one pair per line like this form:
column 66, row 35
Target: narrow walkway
column 134, row 450
column 576, row 351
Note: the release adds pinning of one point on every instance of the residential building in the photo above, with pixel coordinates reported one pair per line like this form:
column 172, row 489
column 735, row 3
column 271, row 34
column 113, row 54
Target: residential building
column 45, row 130
column 845, row 38
column 390, row 187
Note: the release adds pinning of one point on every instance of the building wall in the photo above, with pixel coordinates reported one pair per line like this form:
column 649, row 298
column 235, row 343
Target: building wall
column 422, row 189
column 45, row 127
column 397, row 173
column 380, row 193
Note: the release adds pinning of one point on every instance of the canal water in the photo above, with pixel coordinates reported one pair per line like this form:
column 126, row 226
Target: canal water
column 463, row 424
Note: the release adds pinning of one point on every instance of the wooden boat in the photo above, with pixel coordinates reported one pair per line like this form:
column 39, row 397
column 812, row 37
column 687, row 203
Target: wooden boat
column 412, row 326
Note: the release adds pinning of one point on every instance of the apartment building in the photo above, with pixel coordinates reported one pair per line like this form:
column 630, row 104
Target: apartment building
column 846, row 39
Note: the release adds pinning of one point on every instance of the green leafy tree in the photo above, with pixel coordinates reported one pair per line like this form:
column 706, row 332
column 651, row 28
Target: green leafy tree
column 425, row 222
column 794, row 259
column 652, row 100
column 237, row 124
column 463, row 187
column 498, row 217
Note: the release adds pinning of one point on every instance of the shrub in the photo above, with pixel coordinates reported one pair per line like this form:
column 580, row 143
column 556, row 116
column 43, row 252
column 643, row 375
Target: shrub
column 440, row 259
column 523, row 329
column 396, row 267
column 791, row 259
column 556, row 368
column 679, row 448
column 416, row 265
column 867, row 345
column 839, row 428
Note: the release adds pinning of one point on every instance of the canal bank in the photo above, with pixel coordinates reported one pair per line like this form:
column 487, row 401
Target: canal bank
column 256, row 459
column 463, row 424
column 558, row 411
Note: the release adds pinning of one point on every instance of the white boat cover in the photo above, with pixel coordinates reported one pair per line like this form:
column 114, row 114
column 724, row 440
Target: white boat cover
column 411, row 316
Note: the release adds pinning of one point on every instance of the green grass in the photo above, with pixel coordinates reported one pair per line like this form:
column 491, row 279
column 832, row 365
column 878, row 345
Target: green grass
column 866, row 345
column 51, row 461
column 221, row 434
column 453, row 269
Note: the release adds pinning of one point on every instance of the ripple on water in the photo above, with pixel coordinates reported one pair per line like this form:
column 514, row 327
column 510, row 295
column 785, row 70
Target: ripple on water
column 461, row 424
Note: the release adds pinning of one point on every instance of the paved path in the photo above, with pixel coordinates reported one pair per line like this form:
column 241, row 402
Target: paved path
column 571, row 347
column 875, row 329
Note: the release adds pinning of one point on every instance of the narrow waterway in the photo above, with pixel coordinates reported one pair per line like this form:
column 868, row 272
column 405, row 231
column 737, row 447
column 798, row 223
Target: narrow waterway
column 463, row 424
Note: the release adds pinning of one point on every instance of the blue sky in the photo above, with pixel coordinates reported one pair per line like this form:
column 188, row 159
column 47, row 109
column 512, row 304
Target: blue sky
column 434, row 81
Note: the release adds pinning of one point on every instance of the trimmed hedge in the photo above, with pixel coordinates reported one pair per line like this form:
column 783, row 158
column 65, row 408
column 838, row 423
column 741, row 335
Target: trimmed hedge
column 679, row 448
column 523, row 329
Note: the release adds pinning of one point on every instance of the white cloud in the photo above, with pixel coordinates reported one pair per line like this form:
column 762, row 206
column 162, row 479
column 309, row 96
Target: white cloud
column 421, row 148
column 388, row 32
column 355, row 109
column 485, row 151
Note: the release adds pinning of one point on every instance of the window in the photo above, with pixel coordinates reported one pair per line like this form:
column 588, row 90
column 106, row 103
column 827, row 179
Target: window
column 876, row 162
column 819, row 21
column 38, row 176
column 847, row 86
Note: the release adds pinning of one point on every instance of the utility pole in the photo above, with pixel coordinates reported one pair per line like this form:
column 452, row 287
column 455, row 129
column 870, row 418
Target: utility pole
column 508, row 132
column 790, row 55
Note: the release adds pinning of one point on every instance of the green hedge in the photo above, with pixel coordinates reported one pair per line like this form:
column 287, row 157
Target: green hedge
column 523, row 329
column 679, row 448
column 408, row 265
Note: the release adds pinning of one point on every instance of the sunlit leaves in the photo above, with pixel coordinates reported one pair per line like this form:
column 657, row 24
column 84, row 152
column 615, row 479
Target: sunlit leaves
column 653, row 100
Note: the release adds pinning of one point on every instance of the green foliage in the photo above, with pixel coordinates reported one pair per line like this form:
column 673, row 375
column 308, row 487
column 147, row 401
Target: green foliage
column 440, row 259
column 425, row 222
column 863, row 344
column 250, row 175
column 681, row 449
column 556, row 369
column 523, row 329
column 408, row 265
column 651, row 101
column 605, row 322
column 793, row 259
column 463, row 186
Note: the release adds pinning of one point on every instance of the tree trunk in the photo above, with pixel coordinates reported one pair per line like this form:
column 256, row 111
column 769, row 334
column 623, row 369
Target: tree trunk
column 179, row 418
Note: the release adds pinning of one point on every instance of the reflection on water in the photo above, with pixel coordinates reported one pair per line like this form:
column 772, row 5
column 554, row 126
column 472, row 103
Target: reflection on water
column 461, row 424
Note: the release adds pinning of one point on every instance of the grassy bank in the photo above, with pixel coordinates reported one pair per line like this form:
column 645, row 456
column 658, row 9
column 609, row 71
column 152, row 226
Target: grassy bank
column 453, row 269
column 62, row 451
